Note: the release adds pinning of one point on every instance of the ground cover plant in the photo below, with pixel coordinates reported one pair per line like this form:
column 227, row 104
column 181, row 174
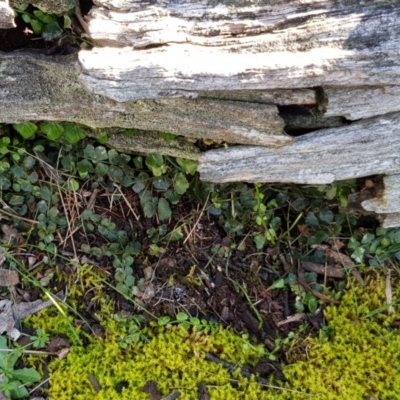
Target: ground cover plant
column 211, row 291
column 49, row 34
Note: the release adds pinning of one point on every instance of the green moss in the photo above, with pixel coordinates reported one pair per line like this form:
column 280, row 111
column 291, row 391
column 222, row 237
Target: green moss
column 173, row 358
column 56, row 323
column 359, row 360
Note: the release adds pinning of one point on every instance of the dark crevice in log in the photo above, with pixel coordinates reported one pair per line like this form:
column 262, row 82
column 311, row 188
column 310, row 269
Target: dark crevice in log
column 86, row 6
column 300, row 120
column 153, row 46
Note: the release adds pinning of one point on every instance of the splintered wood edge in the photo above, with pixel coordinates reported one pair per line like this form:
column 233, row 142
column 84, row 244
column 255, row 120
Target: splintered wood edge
column 365, row 148
column 387, row 204
column 391, row 220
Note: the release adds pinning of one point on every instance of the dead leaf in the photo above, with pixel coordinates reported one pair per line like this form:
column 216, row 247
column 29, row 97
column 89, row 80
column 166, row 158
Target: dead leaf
column 31, row 262
column 7, row 320
column 22, row 310
column 305, row 230
column 306, row 286
column 8, row 277
column 9, row 232
column 389, row 296
column 323, row 297
column 57, row 344
column 11, row 314
column 340, row 258
column 148, row 273
column 327, row 270
column 336, row 244
column 167, row 262
column 368, row 184
column 45, row 281
column 95, row 383
column 358, row 276
column 149, row 292
column 63, row 353
column 242, row 246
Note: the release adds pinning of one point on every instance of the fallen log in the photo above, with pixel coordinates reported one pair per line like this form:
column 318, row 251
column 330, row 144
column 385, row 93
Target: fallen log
column 314, row 85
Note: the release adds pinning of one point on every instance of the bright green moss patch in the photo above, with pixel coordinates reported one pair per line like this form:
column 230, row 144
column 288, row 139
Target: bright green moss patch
column 173, row 358
column 360, row 358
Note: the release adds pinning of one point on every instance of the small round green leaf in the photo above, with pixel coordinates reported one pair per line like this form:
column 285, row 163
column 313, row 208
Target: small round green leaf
column 188, row 166
column 26, row 18
column 37, row 26
column 181, row 183
column 163, row 209
column 73, row 185
column 164, row 320
column 25, row 129
column 73, row 132
column 52, row 31
column 181, row 316
column 259, row 241
column 149, row 209
column 53, row 130
column 154, row 160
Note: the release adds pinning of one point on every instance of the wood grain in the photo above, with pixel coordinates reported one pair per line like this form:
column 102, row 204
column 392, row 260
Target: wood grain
column 178, row 48
column 364, row 148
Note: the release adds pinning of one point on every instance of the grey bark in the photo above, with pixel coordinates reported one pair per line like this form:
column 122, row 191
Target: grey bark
column 6, row 15
column 36, row 87
column 368, row 147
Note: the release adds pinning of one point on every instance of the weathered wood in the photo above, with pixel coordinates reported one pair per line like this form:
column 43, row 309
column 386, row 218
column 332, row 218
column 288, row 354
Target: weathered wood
column 363, row 148
column 391, row 220
column 389, row 201
column 362, row 102
column 6, row 15
column 151, row 142
column 381, row 201
column 35, row 87
column 230, row 121
column 241, row 46
column 268, row 23
column 228, row 70
column 279, row 97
